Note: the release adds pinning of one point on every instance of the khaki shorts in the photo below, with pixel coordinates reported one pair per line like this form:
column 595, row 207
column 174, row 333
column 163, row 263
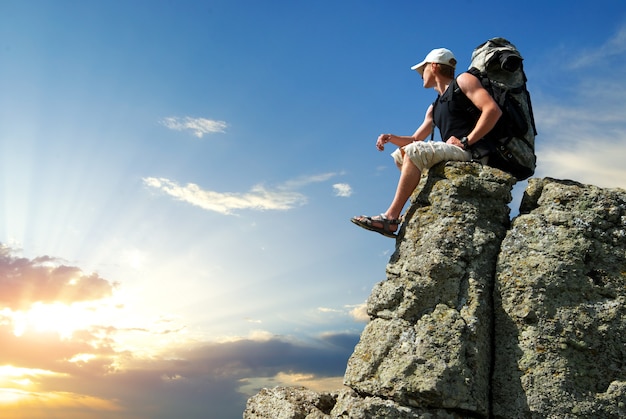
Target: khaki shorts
column 426, row 154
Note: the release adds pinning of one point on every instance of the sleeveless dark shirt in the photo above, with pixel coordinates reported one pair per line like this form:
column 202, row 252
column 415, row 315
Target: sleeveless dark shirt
column 454, row 114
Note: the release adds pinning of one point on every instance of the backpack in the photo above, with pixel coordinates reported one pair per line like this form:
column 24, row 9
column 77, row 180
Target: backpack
column 498, row 65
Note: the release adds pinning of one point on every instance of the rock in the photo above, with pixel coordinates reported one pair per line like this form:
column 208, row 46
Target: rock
column 429, row 343
column 561, row 305
column 480, row 317
column 352, row 406
column 289, row 403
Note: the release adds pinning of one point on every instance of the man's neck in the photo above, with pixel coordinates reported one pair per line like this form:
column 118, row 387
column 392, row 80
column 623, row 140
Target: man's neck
column 441, row 84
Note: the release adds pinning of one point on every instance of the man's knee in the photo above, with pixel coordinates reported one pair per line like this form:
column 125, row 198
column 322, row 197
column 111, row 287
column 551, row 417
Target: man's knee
column 410, row 166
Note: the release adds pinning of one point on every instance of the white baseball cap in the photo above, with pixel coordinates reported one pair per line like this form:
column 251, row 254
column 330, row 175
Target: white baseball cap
column 439, row 56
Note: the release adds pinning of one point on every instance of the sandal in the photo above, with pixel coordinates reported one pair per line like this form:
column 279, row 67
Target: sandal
column 367, row 223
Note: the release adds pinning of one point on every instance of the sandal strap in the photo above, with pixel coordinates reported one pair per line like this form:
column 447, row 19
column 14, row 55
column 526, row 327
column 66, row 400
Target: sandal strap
column 367, row 222
column 388, row 221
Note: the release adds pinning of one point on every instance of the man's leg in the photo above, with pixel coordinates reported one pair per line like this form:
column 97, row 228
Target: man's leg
column 427, row 153
column 410, row 177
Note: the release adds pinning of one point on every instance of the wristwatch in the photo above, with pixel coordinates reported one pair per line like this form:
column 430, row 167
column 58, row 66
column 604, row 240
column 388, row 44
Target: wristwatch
column 464, row 143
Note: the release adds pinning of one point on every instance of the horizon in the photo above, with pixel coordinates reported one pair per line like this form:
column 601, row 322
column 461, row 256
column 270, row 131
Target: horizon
column 177, row 182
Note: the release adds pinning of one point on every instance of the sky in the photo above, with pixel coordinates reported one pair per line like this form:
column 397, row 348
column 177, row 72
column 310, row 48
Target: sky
column 177, row 179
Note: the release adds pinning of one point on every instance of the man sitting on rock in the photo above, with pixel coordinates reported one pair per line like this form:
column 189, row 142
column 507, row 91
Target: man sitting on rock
column 459, row 127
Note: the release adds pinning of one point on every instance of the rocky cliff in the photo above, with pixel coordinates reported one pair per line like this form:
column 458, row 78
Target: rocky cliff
column 481, row 317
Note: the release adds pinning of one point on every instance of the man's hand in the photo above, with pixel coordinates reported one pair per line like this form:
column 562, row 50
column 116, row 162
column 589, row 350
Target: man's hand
column 455, row 141
column 382, row 140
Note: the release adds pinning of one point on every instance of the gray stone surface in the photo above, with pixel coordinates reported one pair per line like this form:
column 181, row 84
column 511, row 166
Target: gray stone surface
column 561, row 305
column 429, row 343
column 289, row 403
column 352, row 406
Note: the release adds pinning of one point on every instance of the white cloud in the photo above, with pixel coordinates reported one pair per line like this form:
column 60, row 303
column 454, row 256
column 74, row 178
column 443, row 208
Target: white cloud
column 615, row 46
column 359, row 313
column 282, row 197
column 583, row 140
column 342, row 189
column 328, row 310
column 583, row 136
column 307, row 180
column 198, row 126
column 598, row 162
column 258, row 198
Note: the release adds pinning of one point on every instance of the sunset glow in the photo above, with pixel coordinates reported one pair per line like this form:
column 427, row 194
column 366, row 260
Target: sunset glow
column 20, row 378
column 60, row 318
column 19, row 404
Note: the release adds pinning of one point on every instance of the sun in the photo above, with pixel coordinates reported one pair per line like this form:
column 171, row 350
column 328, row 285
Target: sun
column 60, row 318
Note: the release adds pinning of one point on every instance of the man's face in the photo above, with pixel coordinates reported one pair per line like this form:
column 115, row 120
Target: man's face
column 428, row 76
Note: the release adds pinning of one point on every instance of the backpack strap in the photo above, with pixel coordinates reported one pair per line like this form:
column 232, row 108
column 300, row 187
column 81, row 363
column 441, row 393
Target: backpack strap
column 432, row 124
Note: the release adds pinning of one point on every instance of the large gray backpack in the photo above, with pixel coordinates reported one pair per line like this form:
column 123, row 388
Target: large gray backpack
column 498, row 65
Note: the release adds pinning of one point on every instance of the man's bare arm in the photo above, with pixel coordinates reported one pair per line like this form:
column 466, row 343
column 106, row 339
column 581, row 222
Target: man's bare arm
column 420, row 134
column 490, row 111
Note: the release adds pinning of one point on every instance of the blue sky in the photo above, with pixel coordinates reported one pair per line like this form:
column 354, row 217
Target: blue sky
column 177, row 178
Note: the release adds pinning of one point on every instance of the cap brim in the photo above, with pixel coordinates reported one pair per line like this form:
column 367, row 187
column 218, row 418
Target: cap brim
column 419, row 67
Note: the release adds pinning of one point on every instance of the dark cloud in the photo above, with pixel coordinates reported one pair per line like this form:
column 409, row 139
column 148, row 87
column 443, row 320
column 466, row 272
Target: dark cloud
column 273, row 356
column 203, row 381
column 45, row 279
column 200, row 381
column 347, row 341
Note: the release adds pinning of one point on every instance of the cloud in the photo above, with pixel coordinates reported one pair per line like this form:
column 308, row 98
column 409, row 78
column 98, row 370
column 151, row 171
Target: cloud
column 582, row 144
column 342, row 189
column 601, row 165
column 328, row 310
column 193, row 380
column 583, row 136
column 44, row 279
column 198, row 126
column 144, row 370
column 359, row 313
column 130, row 372
column 614, row 47
column 259, row 197
column 187, row 378
column 250, row 386
column 38, row 404
column 307, row 180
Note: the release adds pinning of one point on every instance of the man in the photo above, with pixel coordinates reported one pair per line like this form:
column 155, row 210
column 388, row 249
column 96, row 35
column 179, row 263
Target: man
column 461, row 127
